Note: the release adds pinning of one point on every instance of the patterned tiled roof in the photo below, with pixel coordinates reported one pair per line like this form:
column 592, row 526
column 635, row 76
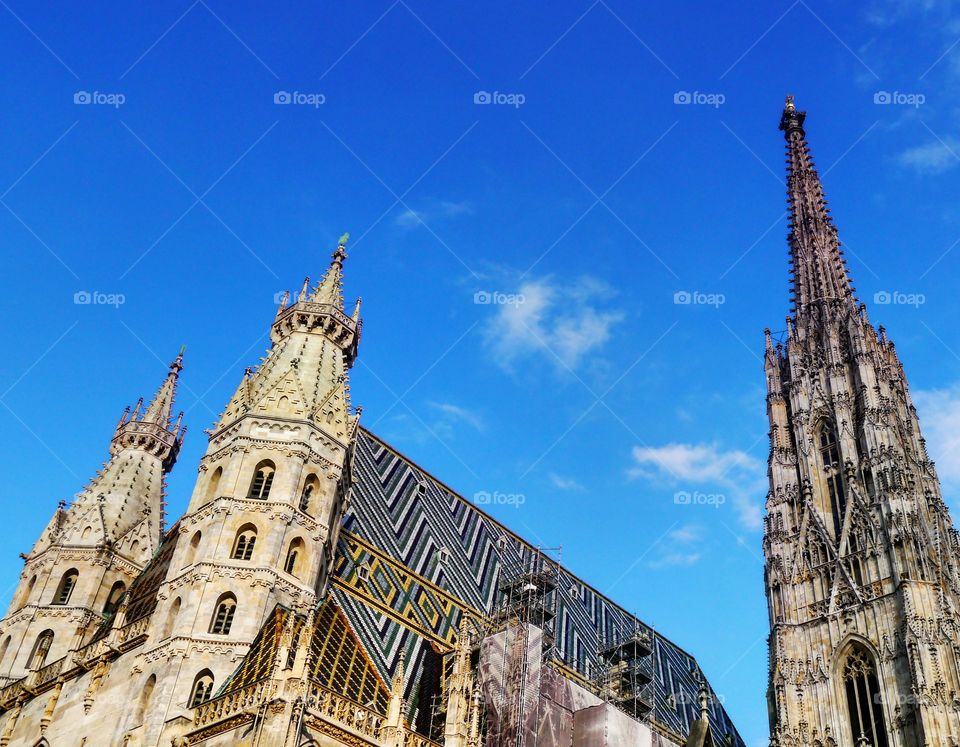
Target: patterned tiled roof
column 415, row 556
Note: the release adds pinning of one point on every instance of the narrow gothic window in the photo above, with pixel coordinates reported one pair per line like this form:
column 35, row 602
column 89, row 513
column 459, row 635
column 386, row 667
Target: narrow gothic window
column 40, row 649
column 293, row 556
column 113, row 599
column 145, row 697
column 65, row 589
column 243, row 545
column 223, row 616
column 310, row 490
column 833, row 476
column 262, row 480
column 192, row 550
column 202, row 688
column 864, row 699
column 213, row 487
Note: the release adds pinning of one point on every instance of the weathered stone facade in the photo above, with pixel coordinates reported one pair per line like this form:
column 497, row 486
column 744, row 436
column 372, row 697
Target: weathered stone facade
column 862, row 560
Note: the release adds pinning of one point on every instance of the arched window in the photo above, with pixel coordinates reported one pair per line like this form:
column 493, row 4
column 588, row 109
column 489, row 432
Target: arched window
column 294, row 556
column 243, row 544
column 171, row 619
column 829, row 446
column 66, row 586
column 113, row 599
column 144, row 701
column 202, row 688
column 310, row 490
column 4, row 647
column 864, row 699
column 214, row 485
column 192, row 550
column 26, row 592
column 223, row 614
column 40, row 649
column 262, row 480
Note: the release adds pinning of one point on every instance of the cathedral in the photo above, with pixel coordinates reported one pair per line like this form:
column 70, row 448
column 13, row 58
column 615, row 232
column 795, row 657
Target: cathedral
column 862, row 560
column 322, row 589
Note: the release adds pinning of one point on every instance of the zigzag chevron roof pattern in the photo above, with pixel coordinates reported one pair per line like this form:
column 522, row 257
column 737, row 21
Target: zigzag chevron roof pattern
column 402, row 513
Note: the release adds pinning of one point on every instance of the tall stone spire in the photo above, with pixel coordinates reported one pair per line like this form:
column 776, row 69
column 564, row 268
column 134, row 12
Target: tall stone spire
column 123, row 503
column 817, row 264
column 305, row 371
column 862, row 560
column 153, row 430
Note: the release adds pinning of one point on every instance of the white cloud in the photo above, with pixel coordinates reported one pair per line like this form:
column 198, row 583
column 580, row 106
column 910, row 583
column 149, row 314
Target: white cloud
column 698, row 463
column 676, row 559
column 733, row 474
column 451, row 412
column 410, row 218
column 932, row 158
column 939, row 411
column 562, row 323
column 687, row 533
column 564, row 483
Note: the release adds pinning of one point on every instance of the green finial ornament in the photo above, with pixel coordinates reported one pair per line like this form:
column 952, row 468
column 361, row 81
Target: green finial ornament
column 344, row 239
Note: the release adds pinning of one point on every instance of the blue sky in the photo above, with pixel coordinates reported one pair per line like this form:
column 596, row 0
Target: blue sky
column 631, row 154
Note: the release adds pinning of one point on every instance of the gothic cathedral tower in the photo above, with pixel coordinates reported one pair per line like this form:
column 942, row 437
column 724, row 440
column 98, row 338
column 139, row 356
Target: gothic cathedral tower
column 862, row 561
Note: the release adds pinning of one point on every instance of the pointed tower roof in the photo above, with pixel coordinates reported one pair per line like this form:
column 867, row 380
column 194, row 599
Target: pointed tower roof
column 330, row 289
column 817, row 264
column 161, row 407
column 153, row 430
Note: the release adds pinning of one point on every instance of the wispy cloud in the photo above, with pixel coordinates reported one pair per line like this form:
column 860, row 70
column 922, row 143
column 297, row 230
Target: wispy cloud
column 560, row 322
column 939, row 411
column 932, row 158
column 564, row 483
column 725, row 473
column 681, row 547
column 410, row 218
column 455, row 413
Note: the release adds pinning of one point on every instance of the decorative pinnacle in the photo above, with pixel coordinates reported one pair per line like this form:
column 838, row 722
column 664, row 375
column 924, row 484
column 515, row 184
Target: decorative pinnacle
column 340, row 253
column 791, row 119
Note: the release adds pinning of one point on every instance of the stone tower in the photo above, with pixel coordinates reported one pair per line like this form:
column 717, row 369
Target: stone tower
column 89, row 553
column 262, row 523
column 861, row 556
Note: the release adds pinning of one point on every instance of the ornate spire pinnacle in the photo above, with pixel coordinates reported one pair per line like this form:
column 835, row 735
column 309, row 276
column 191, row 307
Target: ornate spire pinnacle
column 153, row 430
column 817, row 265
column 330, row 289
column 161, row 407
